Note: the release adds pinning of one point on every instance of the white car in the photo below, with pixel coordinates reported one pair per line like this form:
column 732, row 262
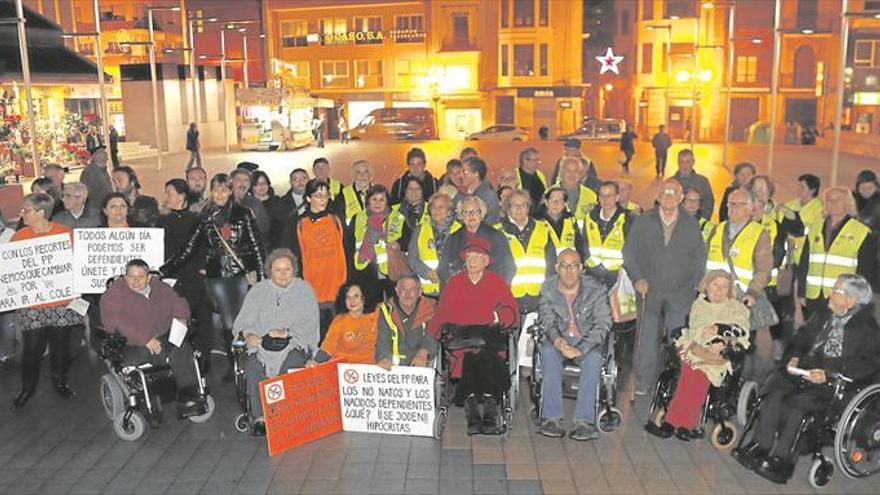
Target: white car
column 501, row 132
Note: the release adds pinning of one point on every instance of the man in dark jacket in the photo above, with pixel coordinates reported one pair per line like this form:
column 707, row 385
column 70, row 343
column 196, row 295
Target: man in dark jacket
column 193, row 146
column 96, row 178
column 840, row 339
column 401, row 329
column 572, row 148
column 665, row 257
column 661, row 142
column 575, row 318
column 415, row 164
column 688, row 178
column 114, row 147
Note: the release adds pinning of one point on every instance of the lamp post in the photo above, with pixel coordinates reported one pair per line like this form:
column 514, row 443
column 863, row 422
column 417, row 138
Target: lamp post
column 26, row 75
column 841, row 85
column 774, row 83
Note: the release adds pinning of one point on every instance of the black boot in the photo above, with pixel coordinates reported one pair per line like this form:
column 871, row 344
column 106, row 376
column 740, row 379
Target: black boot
column 472, row 411
column 489, row 425
column 750, row 456
column 22, row 397
column 62, row 387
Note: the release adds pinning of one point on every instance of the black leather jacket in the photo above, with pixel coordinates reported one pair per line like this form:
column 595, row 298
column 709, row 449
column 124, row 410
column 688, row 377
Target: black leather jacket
column 231, row 220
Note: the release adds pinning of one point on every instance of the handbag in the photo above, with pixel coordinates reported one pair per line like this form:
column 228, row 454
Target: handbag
column 250, row 276
column 275, row 344
column 761, row 314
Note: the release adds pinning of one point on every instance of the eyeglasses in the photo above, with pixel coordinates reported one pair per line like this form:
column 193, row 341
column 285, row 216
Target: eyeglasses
column 468, row 213
column 839, row 292
column 732, row 204
column 669, row 192
column 568, row 266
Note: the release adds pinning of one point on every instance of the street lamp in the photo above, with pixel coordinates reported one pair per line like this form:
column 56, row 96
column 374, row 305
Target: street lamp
column 153, row 82
column 774, row 82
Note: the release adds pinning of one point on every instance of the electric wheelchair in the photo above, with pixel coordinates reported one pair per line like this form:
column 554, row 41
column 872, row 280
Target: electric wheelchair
column 243, row 423
column 850, row 425
column 721, row 402
column 492, row 338
column 608, row 416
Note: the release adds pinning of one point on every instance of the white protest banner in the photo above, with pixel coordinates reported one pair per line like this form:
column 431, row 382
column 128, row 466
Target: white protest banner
column 399, row 402
column 100, row 254
column 36, row 271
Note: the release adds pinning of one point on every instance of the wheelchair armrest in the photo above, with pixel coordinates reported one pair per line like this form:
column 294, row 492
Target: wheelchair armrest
column 467, row 343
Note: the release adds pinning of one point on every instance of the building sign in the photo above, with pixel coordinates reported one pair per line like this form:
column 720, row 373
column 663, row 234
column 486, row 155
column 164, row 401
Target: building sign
column 866, row 98
column 396, row 34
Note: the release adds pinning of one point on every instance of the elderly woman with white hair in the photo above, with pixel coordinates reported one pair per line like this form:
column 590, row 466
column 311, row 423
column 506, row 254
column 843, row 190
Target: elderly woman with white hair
column 841, row 339
column 471, row 212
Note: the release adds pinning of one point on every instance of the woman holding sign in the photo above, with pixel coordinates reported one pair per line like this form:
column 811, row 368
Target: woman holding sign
column 43, row 324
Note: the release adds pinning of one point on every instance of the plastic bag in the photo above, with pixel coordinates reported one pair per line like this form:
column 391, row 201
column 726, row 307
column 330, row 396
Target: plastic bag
column 525, row 346
column 623, row 299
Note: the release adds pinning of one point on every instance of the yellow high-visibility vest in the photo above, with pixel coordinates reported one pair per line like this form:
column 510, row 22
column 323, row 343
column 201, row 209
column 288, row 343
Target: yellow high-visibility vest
column 352, row 204
column 842, row 257
column 607, row 252
column 381, row 249
column 742, row 249
column 397, row 220
column 771, row 227
column 706, row 227
column 812, row 213
column 428, row 252
column 538, row 173
column 633, row 207
column 395, row 336
column 587, row 200
column 335, row 188
column 566, row 239
column 531, row 265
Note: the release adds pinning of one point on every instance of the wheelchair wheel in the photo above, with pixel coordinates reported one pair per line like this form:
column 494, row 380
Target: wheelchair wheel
column 748, row 397
column 131, row 429
column 609, row 420
column 820, row 472
column 112, row 396
column 439, row 423
column 724, row 436
column 242, row 423
column 209, row 411
column 857, row 436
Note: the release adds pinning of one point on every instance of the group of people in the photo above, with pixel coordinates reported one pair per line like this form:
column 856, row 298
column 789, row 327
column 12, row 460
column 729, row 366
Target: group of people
column 372, row 274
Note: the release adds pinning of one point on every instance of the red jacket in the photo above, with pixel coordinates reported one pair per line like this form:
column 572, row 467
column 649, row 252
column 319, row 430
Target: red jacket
column 137, row 318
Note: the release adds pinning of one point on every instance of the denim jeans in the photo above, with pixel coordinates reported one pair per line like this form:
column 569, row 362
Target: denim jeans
column 553, row 364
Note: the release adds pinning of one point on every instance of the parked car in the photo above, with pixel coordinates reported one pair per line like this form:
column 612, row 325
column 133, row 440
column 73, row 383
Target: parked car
column 397, row 123
column 598, row 130
column 501, row 132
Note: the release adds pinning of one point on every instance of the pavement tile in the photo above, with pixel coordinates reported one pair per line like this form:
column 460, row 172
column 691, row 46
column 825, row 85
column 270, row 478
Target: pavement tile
column 387, row 470
column 524, row 487
column 387, row 486
column 488, row 455
column 456, row 486
column 422, row 470
column 490, row 471
column 421, row 486
column 490, row 486
column 522, row 472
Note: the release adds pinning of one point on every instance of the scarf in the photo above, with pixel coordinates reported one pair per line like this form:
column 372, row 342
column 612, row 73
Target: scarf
column 374, row 234
column 441, row 232
column 413, row 213
column 830, row 339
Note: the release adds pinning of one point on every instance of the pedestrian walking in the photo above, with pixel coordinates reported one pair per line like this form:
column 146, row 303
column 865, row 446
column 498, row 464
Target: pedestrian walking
column 343, row 130
column 318, row 130
column 627, row 147
column 114, row 147
column 661, row 143
column 193, row 146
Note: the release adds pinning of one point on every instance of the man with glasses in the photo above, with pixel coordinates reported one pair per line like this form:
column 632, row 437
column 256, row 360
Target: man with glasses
column 692, row 202
column 665, row 257
column 530, row 178
column 605, row 232
column 576, row 320
column 473, row 178
column 689, row 178
column 76, row 214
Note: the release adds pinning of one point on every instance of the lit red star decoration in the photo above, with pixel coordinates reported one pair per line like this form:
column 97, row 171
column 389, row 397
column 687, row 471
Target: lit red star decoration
column 609, row 61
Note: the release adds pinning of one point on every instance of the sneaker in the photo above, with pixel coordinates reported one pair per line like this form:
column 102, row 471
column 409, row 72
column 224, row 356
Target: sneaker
column 584, row 431
column 551, row 428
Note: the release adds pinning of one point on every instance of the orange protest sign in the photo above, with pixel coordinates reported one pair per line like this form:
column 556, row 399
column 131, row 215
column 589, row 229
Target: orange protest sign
column 301, row 406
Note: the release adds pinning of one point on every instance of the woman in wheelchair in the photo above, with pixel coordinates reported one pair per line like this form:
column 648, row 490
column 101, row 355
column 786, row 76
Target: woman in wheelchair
column 279, row 322
column 477, row 296
column 842, row 340
column 141, row 308
column 717, row 329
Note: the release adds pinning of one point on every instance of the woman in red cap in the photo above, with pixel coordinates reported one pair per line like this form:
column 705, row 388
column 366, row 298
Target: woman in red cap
column 477, row 296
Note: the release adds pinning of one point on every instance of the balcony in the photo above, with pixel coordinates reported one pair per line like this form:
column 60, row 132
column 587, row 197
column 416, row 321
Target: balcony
column 458, row 45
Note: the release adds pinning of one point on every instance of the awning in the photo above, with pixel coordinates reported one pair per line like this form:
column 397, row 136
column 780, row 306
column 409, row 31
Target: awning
column 49, row 65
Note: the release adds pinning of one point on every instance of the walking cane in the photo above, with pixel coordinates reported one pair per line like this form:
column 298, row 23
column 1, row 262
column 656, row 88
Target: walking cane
column 632, row 375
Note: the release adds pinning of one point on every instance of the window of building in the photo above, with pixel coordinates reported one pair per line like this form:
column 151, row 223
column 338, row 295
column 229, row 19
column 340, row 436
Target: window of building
column 867, row 53
column 368, row 73
column 523, row 13
column 680, row 8
column 410, row 28
column 460, row 31
column 872, row 4
column 523, row 60
column 199, row 18
column 647, row 10
column 807, row 14
column 505, row 13
column 647, row 58
column 543, row 59
column 411, row 67
column 746, row 69
column 505, row 61
column 370, row 26
column 334, row 74
column 544, row 12
column 624, row 23
column 297, row 69
column 294, row 33
column 679, row 52
column 334, row 31
column 456, row 76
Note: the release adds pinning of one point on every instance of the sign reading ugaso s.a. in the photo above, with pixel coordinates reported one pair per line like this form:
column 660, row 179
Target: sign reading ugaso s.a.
column 101, row 253
column 399, row 402
column 36, row 271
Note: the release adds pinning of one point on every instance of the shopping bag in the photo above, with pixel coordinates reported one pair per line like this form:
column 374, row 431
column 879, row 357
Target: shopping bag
column 623, row 299
column 525, row 346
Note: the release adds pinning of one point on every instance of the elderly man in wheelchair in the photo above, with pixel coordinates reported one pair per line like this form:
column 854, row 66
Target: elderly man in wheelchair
column 575, row 320
column 836, row 353
column 141, row 309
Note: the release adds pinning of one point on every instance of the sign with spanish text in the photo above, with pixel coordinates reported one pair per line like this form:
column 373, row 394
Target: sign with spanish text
column 102, row 253
column 301, row 406
column 36, row 271
column 397, row 402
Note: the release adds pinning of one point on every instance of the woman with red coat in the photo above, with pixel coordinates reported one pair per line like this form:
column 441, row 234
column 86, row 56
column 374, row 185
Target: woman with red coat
column 477, row 296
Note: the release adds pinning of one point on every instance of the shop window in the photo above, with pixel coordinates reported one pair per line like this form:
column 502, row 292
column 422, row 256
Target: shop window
column 505, row 60
column 368, row 73
column 334, row 31
column 523, row 13
column 544, row 12
column 505, row 13
column 680, row 8
column 294, row 33
column 523, row 60
column 370, row 26
column 334, row 74
column 647, row 10
column 409, row 28
column 746, row 69
column 543, row 59
column 647, row 58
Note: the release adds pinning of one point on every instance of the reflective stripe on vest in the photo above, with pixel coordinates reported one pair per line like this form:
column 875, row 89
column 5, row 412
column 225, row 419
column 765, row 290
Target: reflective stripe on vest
column 531, row 266
column 742, row 249
column 395, row 222
column 566, row 239
column 607, row 252
column 395, row 336
column 842, row 257
column 352, row 204
column 360, row 231
column 428, row 252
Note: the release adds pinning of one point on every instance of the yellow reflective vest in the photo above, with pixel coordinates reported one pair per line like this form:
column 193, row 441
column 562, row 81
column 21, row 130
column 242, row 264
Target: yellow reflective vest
column 428, row 252
column 335, row 187
column 538, row 173
column 812, row 213
column 587, row 199
column 769, row 222
column 531, row 265
column 566, row 239
column 742, row 250
column 706, row 227
column 395, row 335
column 396, row 221
column 352, row 203
column 607, row 252
column 381, row 248
column 842, row 257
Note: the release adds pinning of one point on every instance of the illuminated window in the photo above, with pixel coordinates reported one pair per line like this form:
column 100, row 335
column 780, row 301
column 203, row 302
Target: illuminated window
column 455, row 77
column 334, row 31
column 505, row 61
column 746, row 69
column 409, row 28
column 523, row 60
column 543, row 59
column 523, row 13
column 411, row 67
column 294, row 33
column 647, row 58
column 543, row 12
column 368, row 73
column 334, row 74
column 371, row 25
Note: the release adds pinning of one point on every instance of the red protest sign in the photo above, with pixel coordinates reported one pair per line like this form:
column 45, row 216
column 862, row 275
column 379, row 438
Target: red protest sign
column 301, row 406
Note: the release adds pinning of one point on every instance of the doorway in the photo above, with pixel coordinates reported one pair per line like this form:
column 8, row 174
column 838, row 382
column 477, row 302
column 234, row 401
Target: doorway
column 801, row 111
column 459, row 122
